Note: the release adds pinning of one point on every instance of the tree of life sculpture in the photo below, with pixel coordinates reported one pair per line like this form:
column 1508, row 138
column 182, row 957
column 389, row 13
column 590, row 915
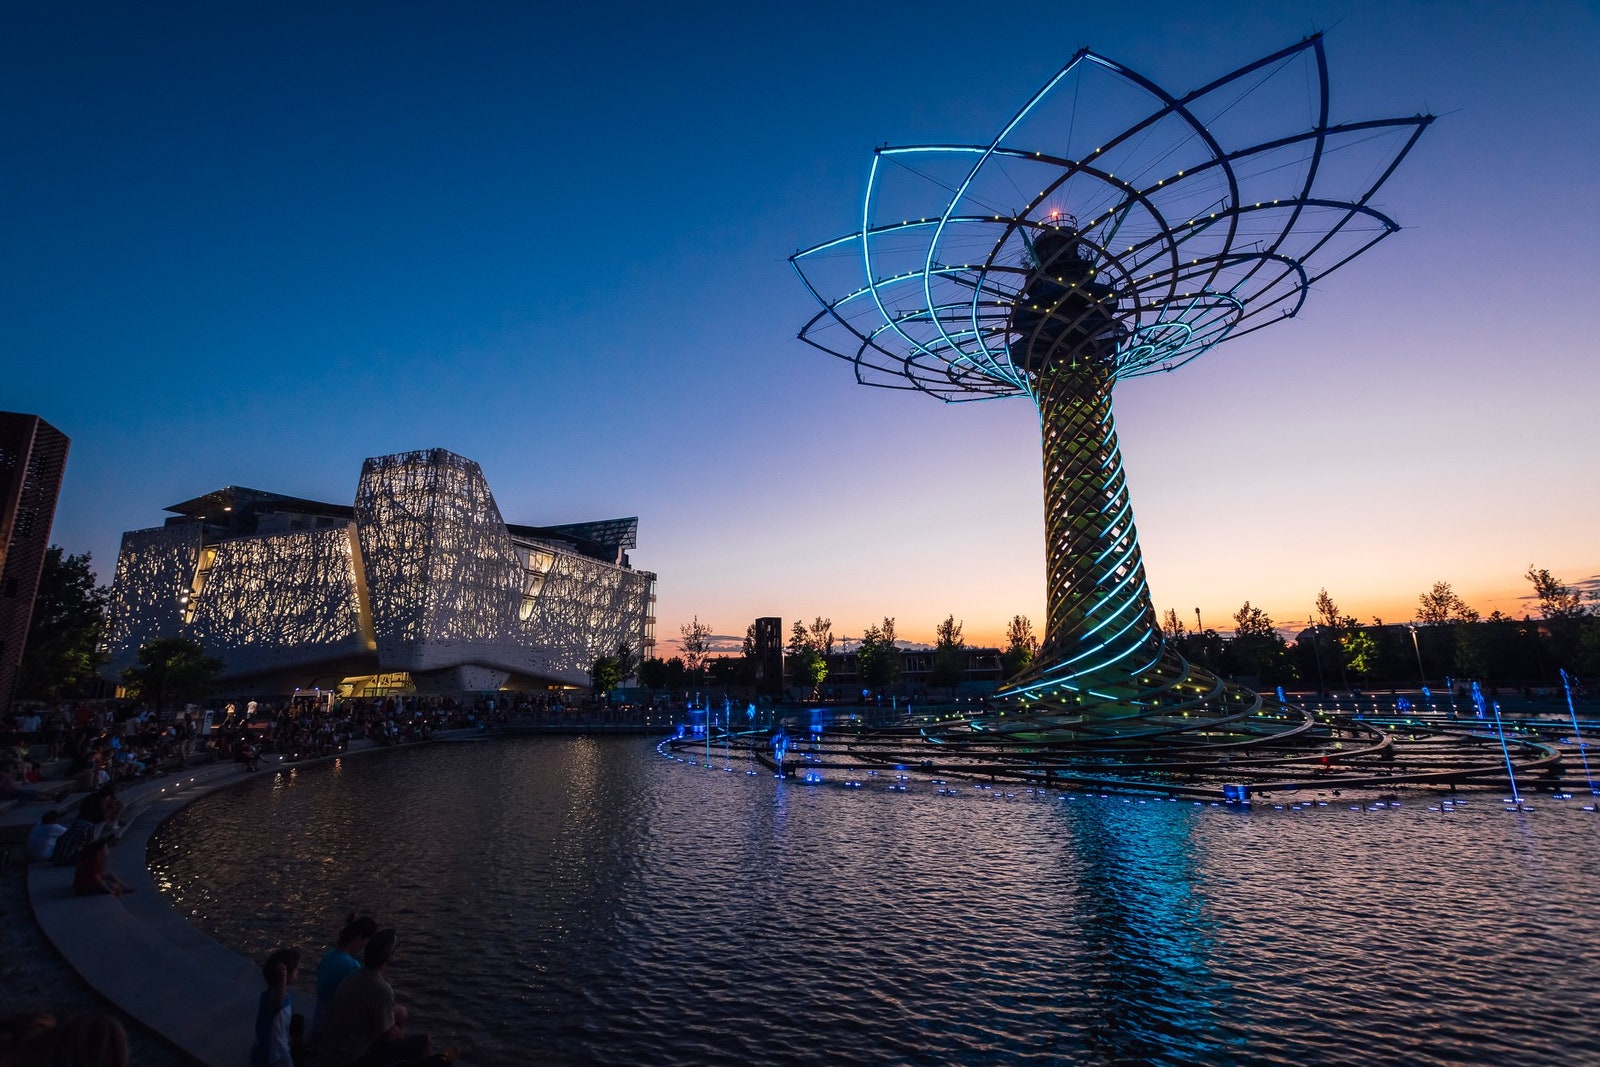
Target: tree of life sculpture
column 1110, row 230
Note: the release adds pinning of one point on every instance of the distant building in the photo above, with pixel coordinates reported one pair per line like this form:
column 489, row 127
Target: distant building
column 982, row 675
column 420, row 584
column 769, row 656
column 33, row 457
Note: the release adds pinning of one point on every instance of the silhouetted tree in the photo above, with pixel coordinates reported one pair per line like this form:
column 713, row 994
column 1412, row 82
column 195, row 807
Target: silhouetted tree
column 1171, row 625
column 1441, row 605
column 1396, row 660
column 1557, row 600
column 609, row 672
column 62, row 651
column 1330, row 632
column 948, row 665
column 1206, row 648
column 653, row 673
column 808, row 650
column 1257, row 649
column 696, row 644
column 1564, row 612
column 1021, row 646
column 877, row 658
column 1588, row 654
column 727, row 671
column 1499, row 649
column 172, row 669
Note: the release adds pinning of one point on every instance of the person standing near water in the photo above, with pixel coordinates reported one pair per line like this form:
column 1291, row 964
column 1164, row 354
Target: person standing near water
column 274, row 1012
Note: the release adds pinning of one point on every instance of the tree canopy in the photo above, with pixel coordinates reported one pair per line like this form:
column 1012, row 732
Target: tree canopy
column 949, row 663
column 1440, row 606
column 808, row 650
column 1557, row 600
column 1021, row 646
column 172, row 670
column 877, row 659
column 655, row 673
column 696, row 645
column 1257, row 649
column 62, row 651
column 1566, row 613
column 1252, row 622
column 1338, row 640
column 609, row 672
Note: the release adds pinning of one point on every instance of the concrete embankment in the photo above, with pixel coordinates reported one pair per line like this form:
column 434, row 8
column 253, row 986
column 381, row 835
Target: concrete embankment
column 139, row 951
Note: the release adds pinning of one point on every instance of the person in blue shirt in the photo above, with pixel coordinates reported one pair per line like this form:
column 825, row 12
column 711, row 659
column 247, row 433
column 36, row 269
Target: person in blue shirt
column 341, row 961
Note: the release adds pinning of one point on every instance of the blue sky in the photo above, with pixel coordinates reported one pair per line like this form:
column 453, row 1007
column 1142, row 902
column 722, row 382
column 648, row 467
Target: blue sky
column 255, row 244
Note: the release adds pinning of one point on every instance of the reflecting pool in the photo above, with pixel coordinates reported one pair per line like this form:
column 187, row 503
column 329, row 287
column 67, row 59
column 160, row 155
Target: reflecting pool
column 586, row 900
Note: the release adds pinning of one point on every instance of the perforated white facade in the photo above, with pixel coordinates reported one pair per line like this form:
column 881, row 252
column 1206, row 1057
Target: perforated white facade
column 421, row 576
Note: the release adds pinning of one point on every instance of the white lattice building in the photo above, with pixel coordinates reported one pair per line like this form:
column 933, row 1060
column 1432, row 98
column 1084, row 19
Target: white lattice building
column 420, row 582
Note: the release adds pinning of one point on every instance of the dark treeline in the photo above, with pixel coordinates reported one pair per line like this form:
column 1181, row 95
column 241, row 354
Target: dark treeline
column 1448, row 638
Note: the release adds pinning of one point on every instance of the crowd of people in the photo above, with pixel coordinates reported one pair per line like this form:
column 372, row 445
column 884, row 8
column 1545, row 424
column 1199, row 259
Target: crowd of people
column 117, row 742
column 96, row 822
column 99, row 743
column 357, row 1022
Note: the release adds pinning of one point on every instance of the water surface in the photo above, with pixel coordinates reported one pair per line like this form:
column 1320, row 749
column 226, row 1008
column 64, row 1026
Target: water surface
column 587, row 901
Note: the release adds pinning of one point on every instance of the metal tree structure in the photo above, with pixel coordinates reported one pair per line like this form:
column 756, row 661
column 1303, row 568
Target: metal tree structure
column 1110, row 230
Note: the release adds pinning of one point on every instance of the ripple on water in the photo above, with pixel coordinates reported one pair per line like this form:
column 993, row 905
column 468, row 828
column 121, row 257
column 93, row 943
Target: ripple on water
column 589, row 901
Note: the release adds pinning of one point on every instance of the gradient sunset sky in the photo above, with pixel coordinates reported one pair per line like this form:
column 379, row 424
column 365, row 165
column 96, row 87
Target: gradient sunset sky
column 255, row 244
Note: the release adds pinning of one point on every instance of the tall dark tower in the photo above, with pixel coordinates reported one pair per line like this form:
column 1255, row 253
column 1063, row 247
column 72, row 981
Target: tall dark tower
column 1110, row 230
column 769, row 657
column 33, row 458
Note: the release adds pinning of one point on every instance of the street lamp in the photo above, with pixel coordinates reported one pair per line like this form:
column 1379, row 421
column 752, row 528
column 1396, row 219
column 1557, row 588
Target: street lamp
column 1418, row 650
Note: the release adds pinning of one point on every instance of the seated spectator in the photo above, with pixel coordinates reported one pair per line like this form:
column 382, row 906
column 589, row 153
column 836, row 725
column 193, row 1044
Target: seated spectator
column 119, row 761
column 42, row 838
column 96, row 815
column 56, row 725
column 70, row 845
column 96, row 770
column 11, row 787
column 92, row 877
column 340, row 962
column 32, row 773
column 101, row 806
column 367, row 1028
column 41, row 1041
column 274, row 1043
column 28, row 725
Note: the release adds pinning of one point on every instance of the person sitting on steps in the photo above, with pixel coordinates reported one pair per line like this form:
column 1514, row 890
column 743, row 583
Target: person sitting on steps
column 367, row 1028
column 92, row 877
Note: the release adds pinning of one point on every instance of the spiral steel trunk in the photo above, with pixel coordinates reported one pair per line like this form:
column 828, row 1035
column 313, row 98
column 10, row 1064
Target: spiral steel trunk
column 1100, row 617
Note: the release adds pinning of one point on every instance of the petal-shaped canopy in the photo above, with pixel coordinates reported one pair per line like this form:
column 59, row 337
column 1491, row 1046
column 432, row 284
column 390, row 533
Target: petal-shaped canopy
column 1208, row 215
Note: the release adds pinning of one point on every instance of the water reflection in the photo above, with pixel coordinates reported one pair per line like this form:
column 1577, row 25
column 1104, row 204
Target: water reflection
column 1138, row 903
column 588, row 900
